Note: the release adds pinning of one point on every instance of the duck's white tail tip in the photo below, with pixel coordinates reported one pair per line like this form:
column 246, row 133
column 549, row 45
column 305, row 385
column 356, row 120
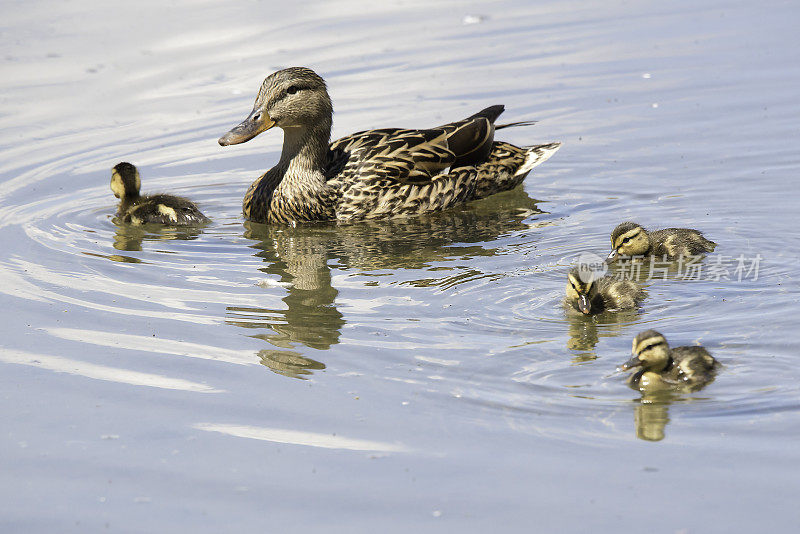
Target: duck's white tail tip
column 536, row 156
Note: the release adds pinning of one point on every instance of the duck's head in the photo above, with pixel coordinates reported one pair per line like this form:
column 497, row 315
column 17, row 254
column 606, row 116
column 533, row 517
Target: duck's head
column 650, row 351
column 580, row 288
column 628, row 239
column 290, row 98
column 125, row 181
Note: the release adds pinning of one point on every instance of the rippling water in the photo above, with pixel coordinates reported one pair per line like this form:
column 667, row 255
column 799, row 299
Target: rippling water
column 406, row 374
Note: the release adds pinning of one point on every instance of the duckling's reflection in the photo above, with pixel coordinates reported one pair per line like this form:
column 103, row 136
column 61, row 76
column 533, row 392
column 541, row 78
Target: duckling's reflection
column 651, row 415
column 585, row 330
column 299, row 257
column 129, row 237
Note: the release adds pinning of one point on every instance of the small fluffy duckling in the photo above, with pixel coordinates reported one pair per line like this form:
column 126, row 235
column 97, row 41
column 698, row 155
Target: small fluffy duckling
column 662, row 367
column 589, row 294
column 630, row 239
column 160, row 209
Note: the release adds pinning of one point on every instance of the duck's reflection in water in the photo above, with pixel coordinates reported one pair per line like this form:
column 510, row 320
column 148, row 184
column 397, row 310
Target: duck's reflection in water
column 288, row 363
column 651, row 415
column 586, row 330
column 300, row 257
column 129, row 238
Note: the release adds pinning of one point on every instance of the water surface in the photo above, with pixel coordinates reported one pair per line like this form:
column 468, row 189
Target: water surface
column 406, row 374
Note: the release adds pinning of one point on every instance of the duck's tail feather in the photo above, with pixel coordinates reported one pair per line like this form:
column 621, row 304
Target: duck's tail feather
column 471, row 139
column 491, row 113
column 512, row 124
column 537, row 155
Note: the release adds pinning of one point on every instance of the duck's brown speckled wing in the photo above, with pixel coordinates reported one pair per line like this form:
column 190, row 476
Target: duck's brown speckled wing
column 405, row 156
column 398, row 172
column 416, row 156
column 389, row 172
column 471, row 139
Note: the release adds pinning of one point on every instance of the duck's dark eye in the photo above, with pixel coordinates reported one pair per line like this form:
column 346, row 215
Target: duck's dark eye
column 292, row 89
column 626, row 240
column 256, row 117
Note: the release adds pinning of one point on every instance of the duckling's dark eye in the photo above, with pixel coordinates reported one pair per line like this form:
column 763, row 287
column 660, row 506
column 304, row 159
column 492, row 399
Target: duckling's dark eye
column 256, row 117
column 651, row 346
column 626, row 240
column 292, row 89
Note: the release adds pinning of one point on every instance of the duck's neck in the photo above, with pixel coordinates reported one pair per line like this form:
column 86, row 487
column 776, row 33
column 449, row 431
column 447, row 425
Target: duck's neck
column 295, row 189
column 305, row 150
column 129, row 199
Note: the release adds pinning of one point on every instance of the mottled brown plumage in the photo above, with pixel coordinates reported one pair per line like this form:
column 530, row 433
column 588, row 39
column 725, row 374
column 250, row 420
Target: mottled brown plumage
column 630, row 239
column 372, row 174
column 688, row 368
column 590, row 294
column 139, row 209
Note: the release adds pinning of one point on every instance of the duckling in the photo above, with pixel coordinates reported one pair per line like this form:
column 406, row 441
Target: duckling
column 391, row 172
column 589, row 294
column 663, row 368
column 160, row 209
column 630, row 239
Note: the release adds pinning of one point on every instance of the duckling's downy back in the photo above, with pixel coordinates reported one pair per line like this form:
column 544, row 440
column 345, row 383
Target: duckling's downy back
column 164, row 209
column 677, row 242
column 151, row 209
column 695, row 364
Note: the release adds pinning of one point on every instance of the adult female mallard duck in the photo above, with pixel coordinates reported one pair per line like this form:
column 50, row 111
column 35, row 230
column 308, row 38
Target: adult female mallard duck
column 665, row 368
column 372, row 174
column 589, row 294
column 630, row 239
column 137, row 209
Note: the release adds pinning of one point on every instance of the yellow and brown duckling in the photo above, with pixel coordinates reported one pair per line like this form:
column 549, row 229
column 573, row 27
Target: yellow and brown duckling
column 139, row 209
column 664, row 368
column 372, row 174
column 630, row 239
column 590, row 294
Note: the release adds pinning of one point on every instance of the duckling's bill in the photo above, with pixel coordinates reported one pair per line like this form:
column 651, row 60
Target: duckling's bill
column 258, row 121
column 584, row 305
column 630, row 364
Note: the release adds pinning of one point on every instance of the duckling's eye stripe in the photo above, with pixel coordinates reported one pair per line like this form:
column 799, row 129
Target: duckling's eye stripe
column 629, row 236
column 652, row 346
column 576, row 286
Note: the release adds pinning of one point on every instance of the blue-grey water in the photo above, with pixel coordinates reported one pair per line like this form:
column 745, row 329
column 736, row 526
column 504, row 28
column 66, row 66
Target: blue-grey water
column 406, row 375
